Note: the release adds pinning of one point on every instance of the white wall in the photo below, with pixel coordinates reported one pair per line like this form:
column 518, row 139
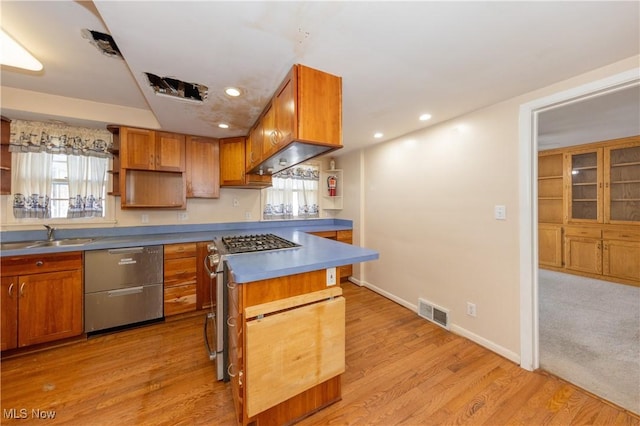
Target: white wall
column 198, row 211
column 428, row 203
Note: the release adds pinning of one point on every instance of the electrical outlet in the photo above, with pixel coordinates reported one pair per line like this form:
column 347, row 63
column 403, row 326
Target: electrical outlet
column 182, row 216
column 471, row 309
column 247, row 215
column 500, row 212
column 331, row 276
column 144, row 218
column 236, row 203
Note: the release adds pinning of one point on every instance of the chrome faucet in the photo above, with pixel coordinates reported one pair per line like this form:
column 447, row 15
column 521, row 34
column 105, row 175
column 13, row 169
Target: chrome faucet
column 50, row 232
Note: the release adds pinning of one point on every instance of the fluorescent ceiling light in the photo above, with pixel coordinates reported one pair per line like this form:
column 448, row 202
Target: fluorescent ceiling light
column 223, row 125
column 14, row 55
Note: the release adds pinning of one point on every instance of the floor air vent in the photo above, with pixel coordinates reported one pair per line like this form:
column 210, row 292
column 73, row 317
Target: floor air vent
column 433, row 313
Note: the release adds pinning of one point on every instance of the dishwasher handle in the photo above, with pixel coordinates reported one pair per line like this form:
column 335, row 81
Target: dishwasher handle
column 126, row 250
column 125, row 291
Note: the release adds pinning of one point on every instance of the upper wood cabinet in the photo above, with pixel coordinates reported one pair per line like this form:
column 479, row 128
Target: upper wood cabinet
column 151, row 150
column 622, row 183
column 550, row 188
column 305, row 111
column 584, row 195
column 232, row 166
column 253, row 146
column 202, row 167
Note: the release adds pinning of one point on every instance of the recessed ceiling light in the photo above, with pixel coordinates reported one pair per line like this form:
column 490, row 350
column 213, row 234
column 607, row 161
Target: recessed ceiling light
column 378, row 135
column 223, row 125
column 232, row 91
column 425, row 117
column 14, row 55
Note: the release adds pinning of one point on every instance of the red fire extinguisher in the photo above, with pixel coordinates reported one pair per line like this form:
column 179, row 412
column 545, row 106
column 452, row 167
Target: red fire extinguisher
column 332, row 183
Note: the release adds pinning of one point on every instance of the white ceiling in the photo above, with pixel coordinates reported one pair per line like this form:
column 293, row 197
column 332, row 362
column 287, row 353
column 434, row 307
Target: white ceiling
column 397, row 59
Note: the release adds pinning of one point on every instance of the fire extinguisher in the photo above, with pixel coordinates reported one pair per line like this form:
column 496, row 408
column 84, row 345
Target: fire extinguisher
column 332, row 183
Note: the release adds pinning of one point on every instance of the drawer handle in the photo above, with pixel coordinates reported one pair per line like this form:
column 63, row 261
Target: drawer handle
column 125, row 291
column 39, row 263
column 11, row 290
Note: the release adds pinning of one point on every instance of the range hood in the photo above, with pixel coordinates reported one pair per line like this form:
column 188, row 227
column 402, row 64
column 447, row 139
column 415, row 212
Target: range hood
column 293, row 153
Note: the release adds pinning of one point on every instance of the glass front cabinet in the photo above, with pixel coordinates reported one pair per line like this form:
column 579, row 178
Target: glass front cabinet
column 589, row 210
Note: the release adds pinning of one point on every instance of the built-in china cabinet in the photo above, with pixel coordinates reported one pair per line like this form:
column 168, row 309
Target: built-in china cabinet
column 589, row 210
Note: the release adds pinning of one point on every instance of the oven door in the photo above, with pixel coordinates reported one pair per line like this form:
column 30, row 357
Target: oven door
column 215, row 324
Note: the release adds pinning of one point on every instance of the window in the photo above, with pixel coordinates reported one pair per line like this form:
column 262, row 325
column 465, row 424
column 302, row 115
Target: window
column 58, row 171
column 293, row 194
column 49, row 186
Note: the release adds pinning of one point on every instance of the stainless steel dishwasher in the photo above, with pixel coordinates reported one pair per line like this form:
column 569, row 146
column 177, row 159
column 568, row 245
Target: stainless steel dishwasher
column 122, row 287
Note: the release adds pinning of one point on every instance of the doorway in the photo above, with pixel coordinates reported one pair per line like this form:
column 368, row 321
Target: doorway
column 530, row 115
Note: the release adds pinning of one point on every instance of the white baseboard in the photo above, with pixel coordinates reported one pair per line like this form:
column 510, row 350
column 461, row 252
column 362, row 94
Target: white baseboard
column 492, row 346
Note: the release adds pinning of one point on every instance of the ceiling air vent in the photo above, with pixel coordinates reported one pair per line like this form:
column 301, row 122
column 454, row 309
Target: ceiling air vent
column 177, row 89
column 103, row 42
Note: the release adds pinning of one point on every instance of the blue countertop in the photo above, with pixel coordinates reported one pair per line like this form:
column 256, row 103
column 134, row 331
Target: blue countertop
column 315, row 252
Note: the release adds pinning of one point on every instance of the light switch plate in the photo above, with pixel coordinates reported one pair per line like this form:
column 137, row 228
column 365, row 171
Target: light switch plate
column 331, row 276
column 500, row 212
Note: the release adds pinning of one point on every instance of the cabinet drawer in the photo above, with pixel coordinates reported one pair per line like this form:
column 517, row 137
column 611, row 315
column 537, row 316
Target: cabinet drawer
column 175, row 251
column 581, row 231
column 625, row 235
column 180, row 271
column 39, row 263
column 179, row 299
column 345, row 236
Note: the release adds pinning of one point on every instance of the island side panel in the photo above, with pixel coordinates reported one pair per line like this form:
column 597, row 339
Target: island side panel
column 309, row 401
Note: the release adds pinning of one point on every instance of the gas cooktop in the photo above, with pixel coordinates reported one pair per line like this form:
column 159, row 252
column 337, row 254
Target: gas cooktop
column 253, row 243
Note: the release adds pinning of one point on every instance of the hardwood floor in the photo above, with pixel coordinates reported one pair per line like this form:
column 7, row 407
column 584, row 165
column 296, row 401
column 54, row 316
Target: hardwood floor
column 401, row 369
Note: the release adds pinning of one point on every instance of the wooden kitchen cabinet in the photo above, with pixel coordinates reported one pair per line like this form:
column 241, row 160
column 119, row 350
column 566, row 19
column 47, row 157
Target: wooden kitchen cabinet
column 308, row 383
column 152, row 150
column 5, row 157
column 253, row 146
column 46, row 292
column 202, row 167
column 180, row 278
column 344, row 236
column 232, row 166
column 307, row 109
column 9, row 312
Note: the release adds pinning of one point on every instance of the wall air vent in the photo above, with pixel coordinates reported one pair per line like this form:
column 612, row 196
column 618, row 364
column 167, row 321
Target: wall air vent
column 433, row 313
column 103, row 42
column 177, row 89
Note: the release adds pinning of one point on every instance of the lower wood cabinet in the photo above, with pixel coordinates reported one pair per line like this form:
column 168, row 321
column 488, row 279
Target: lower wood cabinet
column 180, row 278
column 550, row 245
column 605, row 252
column 344, row 236
column 42, row 299
column 278, row 375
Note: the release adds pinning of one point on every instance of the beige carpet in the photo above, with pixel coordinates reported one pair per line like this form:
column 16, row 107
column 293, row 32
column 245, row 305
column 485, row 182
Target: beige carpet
column 590, row 335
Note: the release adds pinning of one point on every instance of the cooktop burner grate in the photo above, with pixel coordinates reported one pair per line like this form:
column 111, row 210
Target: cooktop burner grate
column 258, row 242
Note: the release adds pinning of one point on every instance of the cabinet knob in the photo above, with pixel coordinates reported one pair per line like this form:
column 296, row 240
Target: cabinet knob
column 39, row 263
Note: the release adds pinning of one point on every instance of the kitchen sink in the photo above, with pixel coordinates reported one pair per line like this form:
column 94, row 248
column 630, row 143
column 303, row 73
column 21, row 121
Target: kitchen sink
column 55, row 243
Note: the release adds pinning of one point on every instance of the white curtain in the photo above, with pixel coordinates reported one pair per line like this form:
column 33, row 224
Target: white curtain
column 31, row 184
column 86, row 186
column 293, row 194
